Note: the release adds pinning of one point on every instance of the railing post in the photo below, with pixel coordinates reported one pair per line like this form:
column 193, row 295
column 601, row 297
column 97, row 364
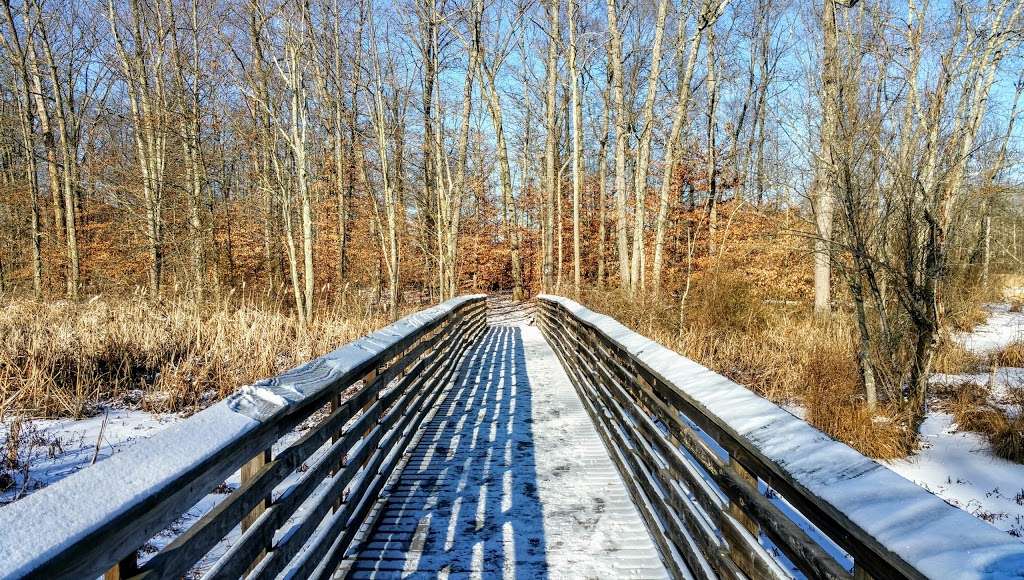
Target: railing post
column 249, row 471
column 124, row 569
column 860, row 574
column 335, row 405
column 739, row 554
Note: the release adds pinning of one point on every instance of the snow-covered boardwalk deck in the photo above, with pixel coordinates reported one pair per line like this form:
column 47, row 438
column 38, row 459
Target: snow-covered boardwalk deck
column 509, row 479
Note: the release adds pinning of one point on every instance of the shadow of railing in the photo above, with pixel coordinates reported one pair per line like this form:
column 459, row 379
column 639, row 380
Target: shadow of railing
column 467, row 500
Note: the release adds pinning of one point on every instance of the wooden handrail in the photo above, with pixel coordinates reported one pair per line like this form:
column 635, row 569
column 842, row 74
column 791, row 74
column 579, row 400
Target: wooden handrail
column 696, row 450
column 94, row 521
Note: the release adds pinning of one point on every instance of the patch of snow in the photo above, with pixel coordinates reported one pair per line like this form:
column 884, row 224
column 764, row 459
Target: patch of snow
column 998, row 382
column 51, row 449
column 798, row 411
column 959, row 467
column 55, row 449
column 36, row 528
column 589, row 521
column 1002, row 328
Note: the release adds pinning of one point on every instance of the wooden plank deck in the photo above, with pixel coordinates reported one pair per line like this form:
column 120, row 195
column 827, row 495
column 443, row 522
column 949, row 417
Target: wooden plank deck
column 509, row 479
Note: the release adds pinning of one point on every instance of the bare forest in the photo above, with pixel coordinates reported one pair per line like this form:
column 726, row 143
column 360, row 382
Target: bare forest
column 811, row 198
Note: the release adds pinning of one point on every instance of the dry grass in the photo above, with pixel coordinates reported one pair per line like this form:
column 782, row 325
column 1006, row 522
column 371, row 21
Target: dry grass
column 774, row 349
column 952, row 358
column 1002, row 425
column 1007, row 438
column 1012, row 355
column 968, row 403
column 1011, row 285
column 61, row 359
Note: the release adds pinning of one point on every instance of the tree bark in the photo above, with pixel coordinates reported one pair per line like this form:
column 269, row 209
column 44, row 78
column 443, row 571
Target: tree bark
column 825, row 196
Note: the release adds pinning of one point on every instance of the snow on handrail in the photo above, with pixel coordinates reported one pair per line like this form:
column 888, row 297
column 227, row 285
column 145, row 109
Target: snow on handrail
column 874, row 507
column 89, row 521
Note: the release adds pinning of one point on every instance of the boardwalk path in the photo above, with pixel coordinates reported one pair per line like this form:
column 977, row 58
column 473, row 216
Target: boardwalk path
column 510, row 479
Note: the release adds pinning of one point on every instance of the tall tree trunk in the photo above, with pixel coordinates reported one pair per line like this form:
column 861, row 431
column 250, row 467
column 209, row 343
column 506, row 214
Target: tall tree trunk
column 144, row 82
column 577, row 148
column 711, row 166
column 18, row 52
column 825, row 196
column 508, row 209
column 551, row 142
column 427, row 13
column 69, row 164
column 353, row 122
column 602, row 184
column 49, row 143
column 621, row 124
column 706, row 17
column 644, row 148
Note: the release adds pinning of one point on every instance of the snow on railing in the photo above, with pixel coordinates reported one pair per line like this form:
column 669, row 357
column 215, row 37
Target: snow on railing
column 94, row 521
column 730, row 484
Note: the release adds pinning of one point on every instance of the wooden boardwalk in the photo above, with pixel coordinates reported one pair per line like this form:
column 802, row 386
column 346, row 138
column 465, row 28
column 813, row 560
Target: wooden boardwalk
column 509, row 479
column 441, row 446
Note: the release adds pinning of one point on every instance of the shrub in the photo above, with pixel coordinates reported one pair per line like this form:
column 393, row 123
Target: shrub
column 952, row 358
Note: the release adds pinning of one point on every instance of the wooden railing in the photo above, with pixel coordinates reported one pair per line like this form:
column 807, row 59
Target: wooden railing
column 730, row 484
column 367, row 399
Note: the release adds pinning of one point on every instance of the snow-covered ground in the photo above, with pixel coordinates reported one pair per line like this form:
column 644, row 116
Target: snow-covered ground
column 1001, row 328
column 52, row 449
column 959, row 466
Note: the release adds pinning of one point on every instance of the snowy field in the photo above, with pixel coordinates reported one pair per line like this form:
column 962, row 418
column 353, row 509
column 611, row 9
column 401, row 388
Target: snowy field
column 958, row 466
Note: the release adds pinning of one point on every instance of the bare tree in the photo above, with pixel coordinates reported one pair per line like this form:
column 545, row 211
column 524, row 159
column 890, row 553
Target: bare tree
column 708, row 14
column 386, row 218
column 644, row 147
column 189, row 119
column 621, row 123
column 509, row 214
column 550, row 143
column 141, row 46
column 577, row 147
column 17, row 48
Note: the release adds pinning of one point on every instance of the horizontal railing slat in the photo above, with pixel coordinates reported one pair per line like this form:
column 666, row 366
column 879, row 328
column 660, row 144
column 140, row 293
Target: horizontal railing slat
column 334, row 549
